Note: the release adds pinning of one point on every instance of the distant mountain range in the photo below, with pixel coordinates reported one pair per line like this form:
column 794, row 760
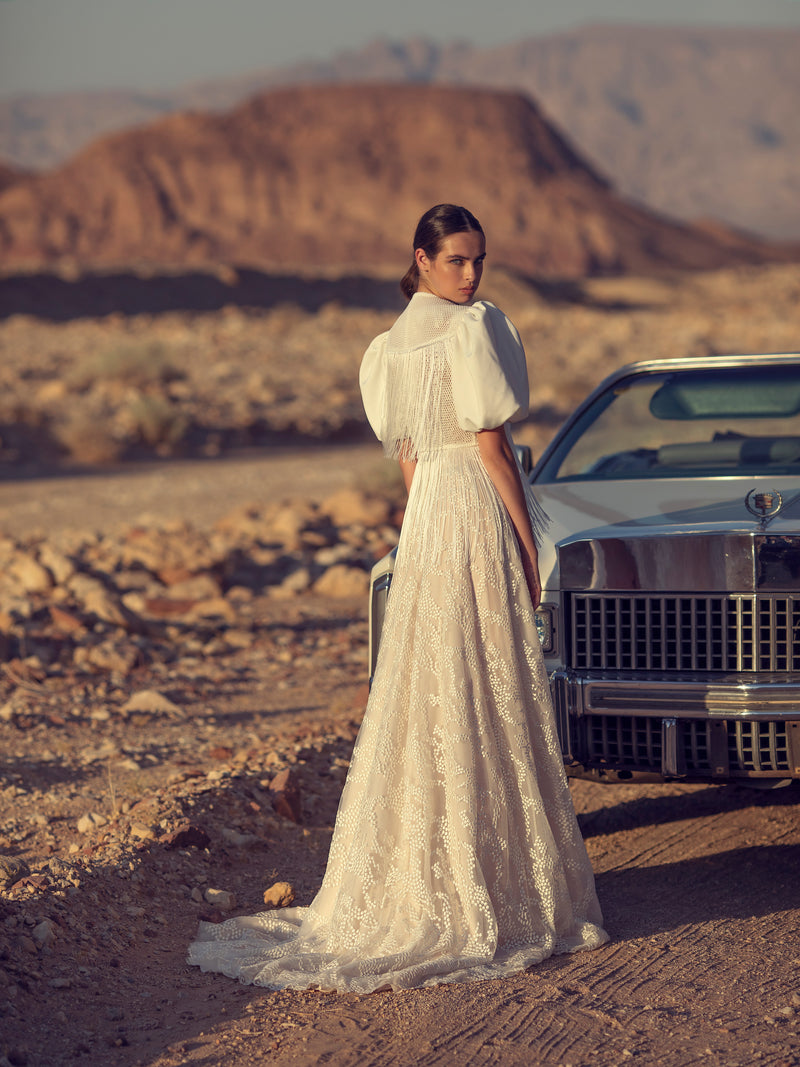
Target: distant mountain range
column 697, row 123
column 334, row 177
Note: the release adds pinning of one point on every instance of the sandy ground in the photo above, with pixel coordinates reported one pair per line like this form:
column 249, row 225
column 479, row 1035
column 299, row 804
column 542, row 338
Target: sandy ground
column 699, row 885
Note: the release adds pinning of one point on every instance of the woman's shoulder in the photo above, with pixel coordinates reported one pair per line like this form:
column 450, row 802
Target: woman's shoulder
column 484, row 320
column 485, row 311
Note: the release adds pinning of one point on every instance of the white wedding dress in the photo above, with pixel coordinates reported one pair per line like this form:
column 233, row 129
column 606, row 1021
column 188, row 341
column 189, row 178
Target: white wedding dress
column 456, row 854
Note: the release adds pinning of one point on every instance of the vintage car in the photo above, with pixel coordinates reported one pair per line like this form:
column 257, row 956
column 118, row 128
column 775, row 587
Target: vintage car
column 670, row 619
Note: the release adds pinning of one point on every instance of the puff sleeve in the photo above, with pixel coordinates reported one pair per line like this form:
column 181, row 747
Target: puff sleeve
column 372, row 379
column 489, row 372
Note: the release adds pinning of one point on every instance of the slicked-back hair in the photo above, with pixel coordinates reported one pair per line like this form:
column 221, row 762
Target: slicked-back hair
column 433, row 228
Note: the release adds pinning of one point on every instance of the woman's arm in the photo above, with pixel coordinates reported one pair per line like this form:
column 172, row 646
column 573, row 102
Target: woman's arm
column 408, row 463
column 408, row 466
column 498, row 459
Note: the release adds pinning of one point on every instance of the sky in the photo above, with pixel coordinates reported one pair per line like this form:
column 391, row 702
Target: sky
column 62, row 45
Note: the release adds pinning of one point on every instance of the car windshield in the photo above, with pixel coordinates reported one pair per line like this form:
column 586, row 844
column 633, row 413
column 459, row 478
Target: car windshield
column 685, row 424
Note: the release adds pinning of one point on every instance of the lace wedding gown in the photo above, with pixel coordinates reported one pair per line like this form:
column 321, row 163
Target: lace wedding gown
column 456, row 854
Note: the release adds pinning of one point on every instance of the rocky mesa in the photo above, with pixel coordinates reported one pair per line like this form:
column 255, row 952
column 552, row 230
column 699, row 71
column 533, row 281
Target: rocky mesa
column 326, row 176
column 641, row 100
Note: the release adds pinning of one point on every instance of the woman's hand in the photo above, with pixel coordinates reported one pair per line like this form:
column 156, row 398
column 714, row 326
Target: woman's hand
column 531, row 568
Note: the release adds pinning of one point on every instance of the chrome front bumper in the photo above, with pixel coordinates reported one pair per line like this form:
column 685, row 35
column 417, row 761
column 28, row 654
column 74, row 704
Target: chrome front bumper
column 691, row 727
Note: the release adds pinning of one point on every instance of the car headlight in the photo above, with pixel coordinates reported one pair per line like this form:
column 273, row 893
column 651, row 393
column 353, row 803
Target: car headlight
column 545, row 624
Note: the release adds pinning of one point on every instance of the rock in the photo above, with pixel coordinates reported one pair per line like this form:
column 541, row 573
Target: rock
column 65, row 621
column 238, row 639
column 287, row 523
column 99, row 601
column 220, row 898
column 153, row 702
column 185, row 835
column 348, row 507
column 279, row 895
column 142, row 832
column 60, row 566
column 234, row 837
column 192, row 586
column 161, row 607
column 216, row 607
column 44, row 934
column 297, row 582
column 285, row 796
column 11, row 870
column 91, row 821
column 343, row 581
column 326, row 557
column 113, row 656
column 29, row 574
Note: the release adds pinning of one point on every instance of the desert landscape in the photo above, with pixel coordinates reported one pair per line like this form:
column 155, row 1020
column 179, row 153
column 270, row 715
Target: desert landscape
column 191, row 504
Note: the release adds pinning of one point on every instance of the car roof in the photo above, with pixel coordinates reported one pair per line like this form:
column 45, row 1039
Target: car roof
column 648, row 366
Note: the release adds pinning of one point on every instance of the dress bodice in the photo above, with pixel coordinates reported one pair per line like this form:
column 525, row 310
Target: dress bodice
column 440, row 374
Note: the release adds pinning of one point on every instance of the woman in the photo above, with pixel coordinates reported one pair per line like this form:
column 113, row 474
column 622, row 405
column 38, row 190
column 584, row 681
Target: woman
column 456, row 854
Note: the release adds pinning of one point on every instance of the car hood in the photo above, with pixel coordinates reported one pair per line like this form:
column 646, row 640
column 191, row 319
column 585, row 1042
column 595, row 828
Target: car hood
column 659, row 509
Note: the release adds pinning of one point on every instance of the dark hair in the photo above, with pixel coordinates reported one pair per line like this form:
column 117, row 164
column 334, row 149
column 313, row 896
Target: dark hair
column 435, row 225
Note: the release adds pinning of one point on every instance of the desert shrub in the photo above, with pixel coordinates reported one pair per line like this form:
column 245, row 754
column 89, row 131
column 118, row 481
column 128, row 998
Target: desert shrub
column 136, row 364
column 156, row 421
column 88, row 439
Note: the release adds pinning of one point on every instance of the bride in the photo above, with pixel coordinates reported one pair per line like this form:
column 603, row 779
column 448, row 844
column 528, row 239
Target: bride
column 456, row 854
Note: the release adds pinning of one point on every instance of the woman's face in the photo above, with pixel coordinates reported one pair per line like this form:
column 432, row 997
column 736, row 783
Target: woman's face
column 454, row 273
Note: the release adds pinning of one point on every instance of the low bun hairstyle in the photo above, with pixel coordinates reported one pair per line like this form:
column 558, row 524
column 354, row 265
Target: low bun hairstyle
column 435, row 225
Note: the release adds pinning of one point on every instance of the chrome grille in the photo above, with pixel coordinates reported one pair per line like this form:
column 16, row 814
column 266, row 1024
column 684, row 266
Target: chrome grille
column 758, row 746
column 634, row 742
column 735, row 632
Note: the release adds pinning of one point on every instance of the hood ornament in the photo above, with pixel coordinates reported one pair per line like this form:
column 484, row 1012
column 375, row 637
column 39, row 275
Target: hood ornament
column 763, row 506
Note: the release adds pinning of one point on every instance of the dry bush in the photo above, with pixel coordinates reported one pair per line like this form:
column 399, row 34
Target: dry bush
column 88, row 439
column 138, row 364
column 155, row 420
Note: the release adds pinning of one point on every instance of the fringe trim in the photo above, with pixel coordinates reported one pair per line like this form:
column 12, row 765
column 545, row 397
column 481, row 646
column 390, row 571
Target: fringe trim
column 415, row 381
column 540, row 520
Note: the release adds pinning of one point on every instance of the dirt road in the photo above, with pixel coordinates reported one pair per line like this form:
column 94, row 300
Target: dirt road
column 199, row 490
column 700, row 892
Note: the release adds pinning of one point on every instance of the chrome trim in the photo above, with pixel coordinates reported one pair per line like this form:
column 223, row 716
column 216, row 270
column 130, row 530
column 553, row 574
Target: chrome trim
column 380, row 582
column 746, row 561
column 688, row 697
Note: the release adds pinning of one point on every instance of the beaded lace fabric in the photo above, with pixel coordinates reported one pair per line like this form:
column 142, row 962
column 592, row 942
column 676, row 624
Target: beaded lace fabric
column 456, row 854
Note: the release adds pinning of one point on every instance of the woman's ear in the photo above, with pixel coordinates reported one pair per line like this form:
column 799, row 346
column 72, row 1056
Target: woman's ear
column 423, row 263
